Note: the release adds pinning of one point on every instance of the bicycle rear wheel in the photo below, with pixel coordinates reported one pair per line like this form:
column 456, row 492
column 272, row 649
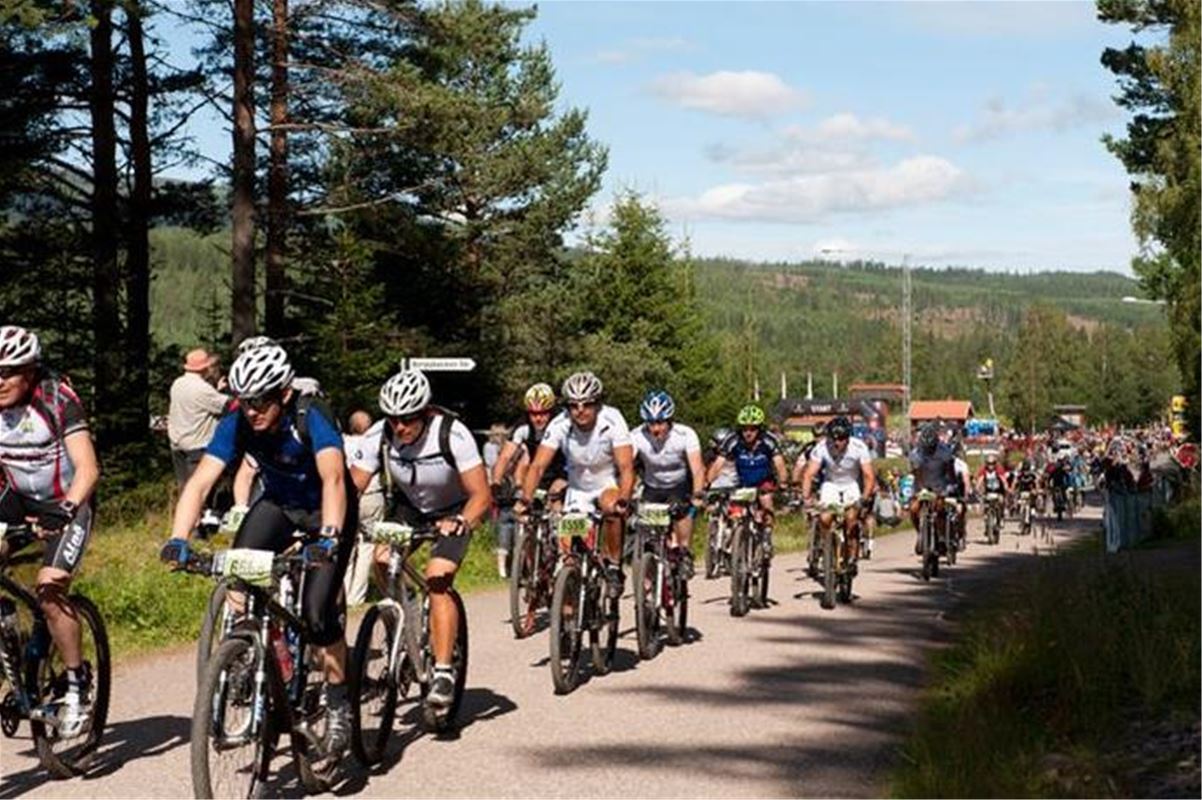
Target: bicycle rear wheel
column 713, row 556
column 758, row 588
column 372, row 685
column 228, row 758
column 930, row 558
column 566, row 636
column 677, row 612
column 646, row 605
column 524, row 594
column 603, row 635
column 67, row 756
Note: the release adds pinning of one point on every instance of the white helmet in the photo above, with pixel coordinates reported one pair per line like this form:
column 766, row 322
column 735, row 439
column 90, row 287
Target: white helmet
column 260, row 371
column 582, row 387
column 405, row 393
column 254, row 343
column 18, row 347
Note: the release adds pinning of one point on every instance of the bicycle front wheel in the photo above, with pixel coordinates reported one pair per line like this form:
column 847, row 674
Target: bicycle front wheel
column 229, row 757
column 740, row 568
column 524, row 591
column 372, row 684
column 646, row 605
column 66, row 754
column 565, row 632
column 211, row 629
column 828, row 570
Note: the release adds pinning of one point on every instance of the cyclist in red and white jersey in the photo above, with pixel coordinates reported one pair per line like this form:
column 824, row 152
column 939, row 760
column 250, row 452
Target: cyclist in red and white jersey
column 49, row 473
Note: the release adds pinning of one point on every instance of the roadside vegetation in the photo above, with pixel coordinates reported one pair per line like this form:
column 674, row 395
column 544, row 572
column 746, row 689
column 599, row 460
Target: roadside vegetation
column 1079, row 679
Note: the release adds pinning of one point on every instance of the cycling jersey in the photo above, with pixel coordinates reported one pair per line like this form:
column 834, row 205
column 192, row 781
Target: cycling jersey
column 1025, row 481
column 754, row 463
column 847, row 469
column 33, row 452
column 421, row 472
column 527, row 436
column 993, row 479
column 935, row 471
column 666, row 463
column 286, row 459
column 589, row 454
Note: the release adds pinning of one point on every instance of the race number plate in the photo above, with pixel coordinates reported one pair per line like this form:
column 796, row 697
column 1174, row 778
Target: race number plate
column 252, row 566
column 573, row 526
column 745, row 495
column 655, row 515
column 394, row 533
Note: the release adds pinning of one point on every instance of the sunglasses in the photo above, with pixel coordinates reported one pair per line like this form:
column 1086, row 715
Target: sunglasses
column 539, row 413
column 261, row 404
column 405, row 419
column 9, row 372
column 582, row 405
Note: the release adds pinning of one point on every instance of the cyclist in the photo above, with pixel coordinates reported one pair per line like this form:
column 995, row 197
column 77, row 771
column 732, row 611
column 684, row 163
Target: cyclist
column 1058, row 478
column 758, row 461
column 432, row 472
column 304, row 486
column 515, row 458
column 672, row 471
column 48, row 471
column 845, row 462
column 932, row 463
column 597, row 451
column 729, row 477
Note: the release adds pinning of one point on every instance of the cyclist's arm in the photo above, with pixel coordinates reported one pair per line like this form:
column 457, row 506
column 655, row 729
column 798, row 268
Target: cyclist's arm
column 87, row 470
column 534, row 473
column 696, row 470
column 479, row 497
column 799, row 469
column 807, row 478
column 501, row 467
column 715, row 469
column 869, row 477
column 359, row 476
column 624, row 461
column 192, row 496
column 332, row 467
column 244, row 481
column 782, row 470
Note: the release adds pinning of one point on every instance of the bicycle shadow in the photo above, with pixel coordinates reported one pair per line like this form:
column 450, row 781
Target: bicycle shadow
column 122, row 743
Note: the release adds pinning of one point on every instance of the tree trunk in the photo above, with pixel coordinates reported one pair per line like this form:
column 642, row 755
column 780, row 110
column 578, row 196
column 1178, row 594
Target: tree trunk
column 277, row 177
column 243, row 212
column 106, row 277
column 138, row 231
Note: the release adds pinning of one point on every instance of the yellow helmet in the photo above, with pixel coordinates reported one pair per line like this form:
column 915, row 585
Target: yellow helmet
column 540, row 397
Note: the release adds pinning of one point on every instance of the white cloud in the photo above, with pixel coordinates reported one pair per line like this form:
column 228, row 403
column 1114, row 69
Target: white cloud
column 735, row 94
column 848, row 126
column 639, row 48
column 807, row 198
column 1035, row 114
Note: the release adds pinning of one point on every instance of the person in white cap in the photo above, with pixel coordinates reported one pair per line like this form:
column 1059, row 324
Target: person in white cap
column 195, row 409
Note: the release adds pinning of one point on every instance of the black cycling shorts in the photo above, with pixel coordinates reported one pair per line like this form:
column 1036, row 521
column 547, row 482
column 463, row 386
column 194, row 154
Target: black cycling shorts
column 65, row 549
column 450, row 548
column 680, row 493
column 269, row 526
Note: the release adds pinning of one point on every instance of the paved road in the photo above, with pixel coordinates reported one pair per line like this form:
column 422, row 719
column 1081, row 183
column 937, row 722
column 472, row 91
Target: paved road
column 789, row 701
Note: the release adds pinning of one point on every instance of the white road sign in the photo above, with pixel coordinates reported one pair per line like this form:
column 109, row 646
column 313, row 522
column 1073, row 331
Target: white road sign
column 440, row 364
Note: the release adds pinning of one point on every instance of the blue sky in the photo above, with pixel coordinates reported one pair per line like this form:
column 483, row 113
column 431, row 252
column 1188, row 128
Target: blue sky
column 955, row 133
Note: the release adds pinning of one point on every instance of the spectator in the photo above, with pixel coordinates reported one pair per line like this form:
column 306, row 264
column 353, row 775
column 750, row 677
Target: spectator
column 492, row 446
column 371, row 508
column 196, row 407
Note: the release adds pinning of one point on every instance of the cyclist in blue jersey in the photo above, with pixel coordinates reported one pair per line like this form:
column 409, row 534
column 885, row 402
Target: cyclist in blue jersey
column 758, row 461
column 305, row 486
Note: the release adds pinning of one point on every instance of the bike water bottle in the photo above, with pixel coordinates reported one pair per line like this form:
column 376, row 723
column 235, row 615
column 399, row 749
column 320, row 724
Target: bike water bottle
column 283, row 658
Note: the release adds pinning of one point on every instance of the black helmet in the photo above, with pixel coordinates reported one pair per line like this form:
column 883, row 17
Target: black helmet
column 928, row 438
column 839, row 428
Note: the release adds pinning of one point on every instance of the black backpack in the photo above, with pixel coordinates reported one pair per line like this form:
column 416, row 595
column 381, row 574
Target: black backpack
column 449, row 418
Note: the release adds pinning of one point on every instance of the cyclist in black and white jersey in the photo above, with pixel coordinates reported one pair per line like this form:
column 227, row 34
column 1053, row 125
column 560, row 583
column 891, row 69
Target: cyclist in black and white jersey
column 846, row 465
column 432, row 472
column 515, row 458
column 670, row 453
column 48, row 471
column 595, row 442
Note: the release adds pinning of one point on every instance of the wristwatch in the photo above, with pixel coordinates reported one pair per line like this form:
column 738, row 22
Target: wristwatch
column 330, row 531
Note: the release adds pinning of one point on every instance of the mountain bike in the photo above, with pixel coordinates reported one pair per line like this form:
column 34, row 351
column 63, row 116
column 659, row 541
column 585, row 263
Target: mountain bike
column 218, row 620
column 719, row 530
column 749, row 562
column 32, row 668
column 1026, row 513
column 264, row 678
column 936, row 522
column 993, row 517
column 535, row 556
column 393, row 654
column 1059, row 502
column 581, row 603
column 832, row 554
column 661, row 592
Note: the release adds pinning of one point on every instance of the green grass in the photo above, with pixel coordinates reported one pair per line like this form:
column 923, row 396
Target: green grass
column 1053, row 670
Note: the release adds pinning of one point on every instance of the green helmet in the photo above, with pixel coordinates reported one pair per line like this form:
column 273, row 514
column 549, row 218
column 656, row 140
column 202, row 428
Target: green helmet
column 750, row 415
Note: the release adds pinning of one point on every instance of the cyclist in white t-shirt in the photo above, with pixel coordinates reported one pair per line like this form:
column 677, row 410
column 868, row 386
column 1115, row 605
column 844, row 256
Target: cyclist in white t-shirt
column 432, row 471
column 596, row 446
column 672, row 470
column 845, row 462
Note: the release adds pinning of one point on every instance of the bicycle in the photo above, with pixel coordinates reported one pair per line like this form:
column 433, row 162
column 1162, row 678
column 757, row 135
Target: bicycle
column 248, row 698
column 32, row 668
column 1059, row 502
column 535, row 557
column 718, row 534
column 661, row 592
column 834, row 551
column 749, row 563
column 936, row 521
column 393, row 654
column 1026, row 513
column 993, row 517
column 581, row 603
column 218, row 621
